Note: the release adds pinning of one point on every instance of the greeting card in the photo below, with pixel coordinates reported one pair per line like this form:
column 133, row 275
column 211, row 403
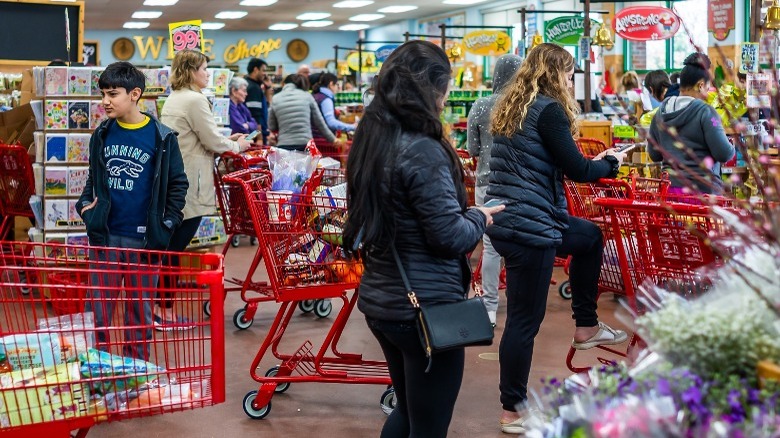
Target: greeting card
column 77, row 180
column 148, row 106
column 55, row 214
column 78, row 148
column 55, row 181
column 97, row 113
column 56, row 81
column 56, row 114
column 79, row 81
column 163, row 79
column 74, row 220
column 95, row 78
column 55, row 147
column 78, row 114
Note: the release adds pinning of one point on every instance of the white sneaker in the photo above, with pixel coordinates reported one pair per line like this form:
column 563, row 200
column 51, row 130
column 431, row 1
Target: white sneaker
column 605, row 336
column 492, row 317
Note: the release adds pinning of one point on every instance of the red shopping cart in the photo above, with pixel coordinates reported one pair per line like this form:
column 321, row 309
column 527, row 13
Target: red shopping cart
column 590, row 147
column 328, row 149
column 300, row 237
column 73, row 368
column 17, row 185
column 229, row 162
column 581, row 201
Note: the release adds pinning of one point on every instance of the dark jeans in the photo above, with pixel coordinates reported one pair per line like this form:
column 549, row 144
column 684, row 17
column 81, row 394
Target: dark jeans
column 424, row 401
column 528, row 274
column 105, row 288
column 179, row 241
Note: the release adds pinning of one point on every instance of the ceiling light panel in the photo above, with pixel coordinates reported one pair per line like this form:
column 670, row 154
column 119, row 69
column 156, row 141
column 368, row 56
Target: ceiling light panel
column 212, row 25
column 160, row 2
column 283, row 26
column 353, row 4
column 231, row 15
column 312, row 16
column 366, row 17
column 142, row 15
column 257, row 2
column 317, row 23
column 462, row 2
column 136, row 25
column 397, row 9
column 354, row 27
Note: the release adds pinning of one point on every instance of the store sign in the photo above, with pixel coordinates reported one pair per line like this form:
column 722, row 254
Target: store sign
column 383, row 52
column 370, row 63
column 151, row 46
column 720, row 18
column 186, row 35
column 566, row 31
column 487, row 42
column 646, row 23
column 240, row 50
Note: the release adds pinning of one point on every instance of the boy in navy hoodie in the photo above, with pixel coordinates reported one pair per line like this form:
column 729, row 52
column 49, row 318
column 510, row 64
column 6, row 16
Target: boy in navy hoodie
column 133, row 198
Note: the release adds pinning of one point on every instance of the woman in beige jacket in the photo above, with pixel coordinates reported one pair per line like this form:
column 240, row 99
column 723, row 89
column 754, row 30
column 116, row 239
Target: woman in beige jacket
column 188, row 112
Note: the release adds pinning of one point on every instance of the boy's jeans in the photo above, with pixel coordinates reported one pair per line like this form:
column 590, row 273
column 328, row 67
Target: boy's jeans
column 105, row 290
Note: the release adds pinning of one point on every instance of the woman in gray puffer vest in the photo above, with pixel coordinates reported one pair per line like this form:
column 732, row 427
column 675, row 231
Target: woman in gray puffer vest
column 480, row 142
column 293, row 113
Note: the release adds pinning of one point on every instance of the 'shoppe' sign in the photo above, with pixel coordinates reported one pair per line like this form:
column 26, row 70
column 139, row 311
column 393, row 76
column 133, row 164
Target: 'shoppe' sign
column 646, row 23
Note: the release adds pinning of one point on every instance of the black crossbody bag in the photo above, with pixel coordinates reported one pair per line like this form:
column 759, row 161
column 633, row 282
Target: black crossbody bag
column 449, row 325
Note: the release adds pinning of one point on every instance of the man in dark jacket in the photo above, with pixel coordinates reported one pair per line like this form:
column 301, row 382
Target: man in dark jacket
column 259, row 93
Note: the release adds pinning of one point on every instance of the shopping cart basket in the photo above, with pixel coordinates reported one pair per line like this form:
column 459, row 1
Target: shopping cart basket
column 229, row 162
column 590, row 147
column 69, row 374
column 301, row 241
column 17, row 185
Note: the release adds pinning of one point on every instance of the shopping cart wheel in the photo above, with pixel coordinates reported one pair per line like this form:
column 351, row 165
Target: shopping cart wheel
column 387, row 401
column 564, row 290
column 235, row 241
column 207, row 308
column 323, row 308
column 253, row 241
column 307, row 306
column 255, row 414
column 280, row 387
column 239, row 321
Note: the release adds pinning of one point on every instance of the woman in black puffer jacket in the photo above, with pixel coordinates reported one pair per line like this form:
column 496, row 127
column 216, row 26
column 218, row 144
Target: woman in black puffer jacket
column 406, row 189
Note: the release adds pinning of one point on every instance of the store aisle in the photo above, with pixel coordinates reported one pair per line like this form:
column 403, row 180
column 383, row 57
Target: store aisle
column 328, row 410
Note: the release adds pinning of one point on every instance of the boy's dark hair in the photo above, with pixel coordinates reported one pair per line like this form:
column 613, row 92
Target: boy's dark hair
column 122, row 74
column 299, row 81
column 255, row 63
column 697, row 67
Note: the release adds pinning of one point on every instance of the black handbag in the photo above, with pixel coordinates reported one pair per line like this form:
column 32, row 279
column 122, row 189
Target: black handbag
column 449, row 325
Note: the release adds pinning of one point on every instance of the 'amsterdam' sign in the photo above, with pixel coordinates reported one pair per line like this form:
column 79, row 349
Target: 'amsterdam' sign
column 487, row 42
column 566, row 31
column 645, row 23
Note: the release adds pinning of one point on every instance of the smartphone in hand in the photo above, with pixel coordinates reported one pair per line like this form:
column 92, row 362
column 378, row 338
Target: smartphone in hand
column 627, row 147
column 495, row 203
column 252, row 136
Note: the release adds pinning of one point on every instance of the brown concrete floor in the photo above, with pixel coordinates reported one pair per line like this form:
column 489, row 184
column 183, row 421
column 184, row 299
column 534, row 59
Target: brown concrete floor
column 338, row 410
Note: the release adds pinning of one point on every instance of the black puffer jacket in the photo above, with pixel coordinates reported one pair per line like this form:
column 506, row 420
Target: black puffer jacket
column 527, row 171
column 434, row 231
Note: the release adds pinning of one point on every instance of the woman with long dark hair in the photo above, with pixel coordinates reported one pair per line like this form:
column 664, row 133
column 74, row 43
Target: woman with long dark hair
column 406, row 193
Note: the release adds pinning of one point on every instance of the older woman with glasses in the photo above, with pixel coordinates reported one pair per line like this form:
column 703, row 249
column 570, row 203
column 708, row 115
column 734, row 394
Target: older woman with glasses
column 241, row 120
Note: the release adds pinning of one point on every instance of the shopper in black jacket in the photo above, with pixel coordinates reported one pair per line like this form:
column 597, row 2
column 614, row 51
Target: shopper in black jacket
column 533, row 125
column 406, row 190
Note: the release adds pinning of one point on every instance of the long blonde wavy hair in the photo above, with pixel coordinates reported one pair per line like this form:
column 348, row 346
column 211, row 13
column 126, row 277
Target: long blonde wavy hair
column 543, row 72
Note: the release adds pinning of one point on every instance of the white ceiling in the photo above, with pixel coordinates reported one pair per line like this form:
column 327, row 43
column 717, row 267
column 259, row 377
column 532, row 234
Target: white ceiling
column 112, row 14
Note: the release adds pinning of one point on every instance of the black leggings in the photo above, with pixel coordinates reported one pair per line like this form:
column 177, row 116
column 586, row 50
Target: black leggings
column 528, row 274
column 179, row 241
column 424, row 401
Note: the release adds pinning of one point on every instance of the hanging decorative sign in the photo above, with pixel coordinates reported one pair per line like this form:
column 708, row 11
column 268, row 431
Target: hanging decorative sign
column 567, row 30
column 383, row 52
column 646, row 23
column 370, row 64
column 186, row 35
column 487, row 42
column 748, row 59
column 720, row 18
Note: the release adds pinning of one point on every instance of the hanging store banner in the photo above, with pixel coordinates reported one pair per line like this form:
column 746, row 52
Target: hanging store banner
column 646, row 23
column 487, row 42
column 567, row 30
column 720, row 18
column 370, row 63
column 383, row 52
column 186, row 35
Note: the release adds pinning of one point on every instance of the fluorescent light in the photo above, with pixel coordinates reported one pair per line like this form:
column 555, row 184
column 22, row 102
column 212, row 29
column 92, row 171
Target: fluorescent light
column 213, row 25
column 313, row 16
column 318, row 23
column 462, row 2
column 352, row 4
column 147, row 14
column 282, row 26
column 160, row 2
column 354, row 27
column 257, row 2
column 136, row 25
column 231, row 15
column 397, row 9
column 366, row 17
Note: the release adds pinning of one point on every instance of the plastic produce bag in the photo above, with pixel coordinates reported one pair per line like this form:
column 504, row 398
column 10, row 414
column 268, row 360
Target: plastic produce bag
column 291, row 169
column 77, row 332
column 100, row 364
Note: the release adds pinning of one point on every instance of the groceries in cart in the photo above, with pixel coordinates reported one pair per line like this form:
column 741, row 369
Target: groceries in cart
column 291, row 169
